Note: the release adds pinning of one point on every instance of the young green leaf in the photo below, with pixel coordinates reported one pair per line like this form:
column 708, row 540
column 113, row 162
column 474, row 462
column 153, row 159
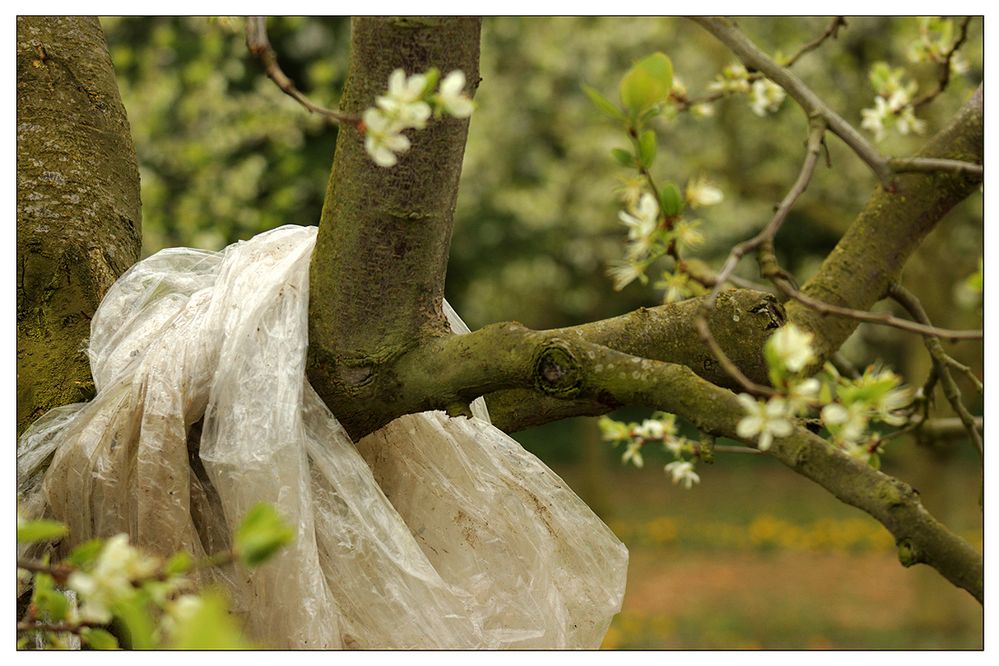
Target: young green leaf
column 208, row 627
column 647, row 148
column 670, row 200
column 50, row 603
column 647, row 83
column 133, row 612
column 179, row 563
column 261, row 534
column 86, row 553
column 40, row 530
column 98, row 639
column 602, row 103
column 623, row 157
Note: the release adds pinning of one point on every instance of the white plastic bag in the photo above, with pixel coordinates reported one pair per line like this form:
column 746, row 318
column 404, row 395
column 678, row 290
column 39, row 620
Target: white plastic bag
column 432, row 532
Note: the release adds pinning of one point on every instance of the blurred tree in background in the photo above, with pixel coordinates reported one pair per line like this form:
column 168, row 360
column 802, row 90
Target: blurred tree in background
column 225, row 155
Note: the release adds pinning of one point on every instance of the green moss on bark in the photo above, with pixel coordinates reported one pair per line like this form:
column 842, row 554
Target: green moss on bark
column 78, row 210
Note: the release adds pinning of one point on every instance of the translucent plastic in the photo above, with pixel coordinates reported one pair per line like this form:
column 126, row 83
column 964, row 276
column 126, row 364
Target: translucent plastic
column 432, row 532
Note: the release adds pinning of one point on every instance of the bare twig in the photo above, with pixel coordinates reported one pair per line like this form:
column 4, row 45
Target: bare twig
column 832, row 31
column 929, row 165
column 59, row 572
column 815, row 137
column 945, row 66
column 948, row 428
column 882, row 318
column 908, row 300
column 731, row 36
column 260, row 46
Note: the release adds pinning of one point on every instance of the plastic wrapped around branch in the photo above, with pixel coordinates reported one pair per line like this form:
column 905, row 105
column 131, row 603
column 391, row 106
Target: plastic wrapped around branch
column 432, row 532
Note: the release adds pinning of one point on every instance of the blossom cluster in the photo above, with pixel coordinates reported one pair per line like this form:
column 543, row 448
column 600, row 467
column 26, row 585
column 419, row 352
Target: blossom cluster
column 892, row 104
column 651, row 231
column 660, row 427
column 765, row 96
column 407, row 105
column 847, row 407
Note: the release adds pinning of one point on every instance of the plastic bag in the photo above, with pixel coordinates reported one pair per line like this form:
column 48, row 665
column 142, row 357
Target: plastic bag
column 432, row 532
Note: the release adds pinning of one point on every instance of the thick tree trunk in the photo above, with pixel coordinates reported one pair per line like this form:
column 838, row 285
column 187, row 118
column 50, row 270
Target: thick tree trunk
column 78, row 210
column 377, row 277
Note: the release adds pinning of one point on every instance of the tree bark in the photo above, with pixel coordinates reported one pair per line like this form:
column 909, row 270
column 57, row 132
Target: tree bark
column 377, row 275
column 78, row 208
column 873, row 251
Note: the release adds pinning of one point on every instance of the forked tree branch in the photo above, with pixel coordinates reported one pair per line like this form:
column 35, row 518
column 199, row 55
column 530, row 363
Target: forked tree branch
column 510, row 356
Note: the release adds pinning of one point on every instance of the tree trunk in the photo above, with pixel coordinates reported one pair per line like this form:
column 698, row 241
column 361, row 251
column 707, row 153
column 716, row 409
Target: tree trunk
column 78, row 210
column 377, row 278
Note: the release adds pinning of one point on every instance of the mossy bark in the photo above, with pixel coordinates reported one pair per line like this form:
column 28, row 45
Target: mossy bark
column 78, row 210
column 873, row 252
column 377, row 276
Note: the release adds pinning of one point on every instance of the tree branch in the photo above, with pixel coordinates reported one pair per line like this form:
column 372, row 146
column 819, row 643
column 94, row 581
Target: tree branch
column 876, row 246
column 942, row 362
column 766, row 235
column 945, row 66
column 509, row 356
column 831, row 31
column 729, row 34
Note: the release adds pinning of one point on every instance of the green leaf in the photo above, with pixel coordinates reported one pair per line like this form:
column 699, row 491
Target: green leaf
column 86, row 553
column 209, row 627
column 178, row 564
column 51, row 603
column 647, row 148
column 40, row 530
column 261, row 534
column 647, row 83
column 670, row 200
column 433, row 76
column 623, row 157
column 138, row 625
column 99, row 639
column 602, row 103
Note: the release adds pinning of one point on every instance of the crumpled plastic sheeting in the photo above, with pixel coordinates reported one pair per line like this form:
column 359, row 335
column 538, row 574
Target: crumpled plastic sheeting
column 432, row 532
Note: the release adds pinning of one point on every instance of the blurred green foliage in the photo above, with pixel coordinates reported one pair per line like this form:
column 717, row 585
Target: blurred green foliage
column 224, row 154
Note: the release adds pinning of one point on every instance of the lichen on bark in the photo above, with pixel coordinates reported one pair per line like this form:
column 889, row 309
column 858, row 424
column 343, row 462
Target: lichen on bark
column 78, row 210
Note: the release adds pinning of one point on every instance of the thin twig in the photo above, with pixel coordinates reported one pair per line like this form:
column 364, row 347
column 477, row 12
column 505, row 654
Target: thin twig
column 945, row 67
column 260, row 46
column 731, row 36
column 684, row 103
column 910, row 302
column 832, row 31
column 57, row 571
column 930, row 165
column 882, row 318
column 815, row 137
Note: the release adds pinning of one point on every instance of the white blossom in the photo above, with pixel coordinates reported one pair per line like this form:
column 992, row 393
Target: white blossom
column 847, row 423
column 766, row 96
column 383, row 138
column 633, row 453
column 677, row 286
column 111, row 578
column 764, row 419
column 907, row 122
column 802, row 394
column 682, row 471
column 873, row 120
column 624, row 273
column 643, row 219
column 792, row 347
column 650, row 429
column 702, row 192
column 686, row 233
column 451, row 95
